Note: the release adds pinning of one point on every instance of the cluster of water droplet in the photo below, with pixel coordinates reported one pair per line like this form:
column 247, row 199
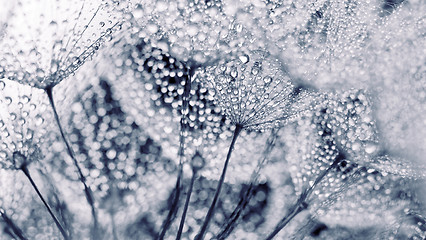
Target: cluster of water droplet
column 41, row 47
column 351, row 194
column 166, row 85
column 197, row 32
column 255, row 92
column 22, row 124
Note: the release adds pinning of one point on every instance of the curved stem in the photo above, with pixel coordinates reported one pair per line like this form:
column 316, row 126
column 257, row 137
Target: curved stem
column 55, row 219
column 185, row 208
column 16, row 230
column 301, row 202
column 210, row 213
column 82, row 178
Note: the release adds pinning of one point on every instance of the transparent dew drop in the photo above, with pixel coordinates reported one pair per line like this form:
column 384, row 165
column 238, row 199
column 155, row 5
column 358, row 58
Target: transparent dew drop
column 234, row 73
column 152, row 28
column 2, row 85
column 138, row 12
column 267, row 80
column 239, row 27
column 256, row 69
column 244, row 58
column 1, row 123
column 25, row 99
column 8, row 100
column 38, row 120
column 3, row 154
column 40, row 73
column 102, row 24
column 21, row 121
column 371, row 148
column 30, row 134
column 5, row 134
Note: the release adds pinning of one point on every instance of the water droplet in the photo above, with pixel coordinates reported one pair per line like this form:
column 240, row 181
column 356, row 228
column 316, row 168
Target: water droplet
column 13, row 116
column 3, row 154
column 244, row 59
column 192, row 30
column 239, row 27
column 8, row 100
column 267, row 79
column 39, row 120
column 255, row 70
column 2, row 85
column 234, row 73
column 152, row 28
column 25, row 99
column 102, row 24
column 21, row 121
column 370, row 148
column 40, row 73
column 138, row 12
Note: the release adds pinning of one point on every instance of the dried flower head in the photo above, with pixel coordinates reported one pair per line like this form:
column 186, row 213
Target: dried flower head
column 255, row 91
column 22, row 124
column 46, row 40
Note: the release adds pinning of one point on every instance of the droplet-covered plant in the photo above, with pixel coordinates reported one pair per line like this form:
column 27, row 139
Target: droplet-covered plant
column 255, row 94
column 197, row 33
column 23, row 130
column 42, row 48
column 331, row 155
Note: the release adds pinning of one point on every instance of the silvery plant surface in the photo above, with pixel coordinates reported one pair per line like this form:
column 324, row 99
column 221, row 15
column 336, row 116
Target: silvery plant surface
column 212, row 119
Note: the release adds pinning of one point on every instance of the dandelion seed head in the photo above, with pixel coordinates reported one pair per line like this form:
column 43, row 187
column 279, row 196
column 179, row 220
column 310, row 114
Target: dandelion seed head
column 22, row 123
column 49, row 40
column 255, row 91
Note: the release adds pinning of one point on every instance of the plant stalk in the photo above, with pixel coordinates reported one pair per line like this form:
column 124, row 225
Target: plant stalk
column 183, row 125
column 301, row 202
column 82, row 178
column 114, row 231
column 58, row 224
column 210, row 213
column 185, row 208
column 245, row 199
column 16, row 230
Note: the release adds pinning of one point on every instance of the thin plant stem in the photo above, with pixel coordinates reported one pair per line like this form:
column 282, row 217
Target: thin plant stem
column 210, row 213
column 82, row 178
column 114, row 231
column 301, row 202
column 183, row 125
column 55, row 219
column 185, row 208
column 296, row 209
column 245, row 199
column 16, row 230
